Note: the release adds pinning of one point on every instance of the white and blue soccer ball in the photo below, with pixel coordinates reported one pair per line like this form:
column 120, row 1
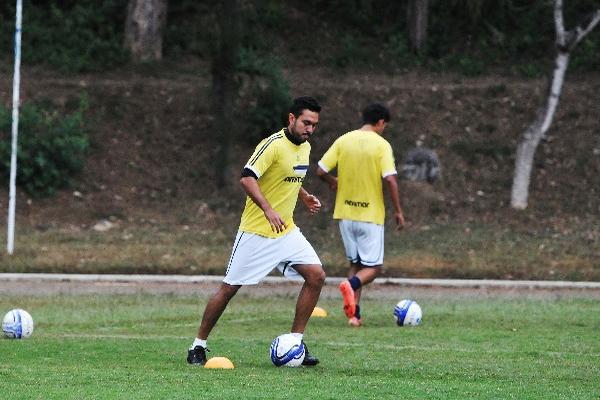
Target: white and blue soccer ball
column 408, row 313
column 287, row 350
column 17, row 324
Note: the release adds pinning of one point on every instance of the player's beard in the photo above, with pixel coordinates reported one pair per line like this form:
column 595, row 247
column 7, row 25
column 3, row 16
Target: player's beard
column 298, row 137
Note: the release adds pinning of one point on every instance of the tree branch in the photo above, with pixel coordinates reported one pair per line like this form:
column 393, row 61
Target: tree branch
column 559, row 24
column 581, row 33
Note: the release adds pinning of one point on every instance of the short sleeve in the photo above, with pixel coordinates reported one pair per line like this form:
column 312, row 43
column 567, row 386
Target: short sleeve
column 264, row 155
column 388, row 165
column 330, row 158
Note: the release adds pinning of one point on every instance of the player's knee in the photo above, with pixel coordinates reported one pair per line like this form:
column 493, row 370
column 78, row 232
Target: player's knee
column 318, row 277
column 228, row 291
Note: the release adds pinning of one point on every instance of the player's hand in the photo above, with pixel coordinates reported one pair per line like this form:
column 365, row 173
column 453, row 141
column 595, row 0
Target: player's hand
column 399, row 218
column 277, row 223
column 312, row 203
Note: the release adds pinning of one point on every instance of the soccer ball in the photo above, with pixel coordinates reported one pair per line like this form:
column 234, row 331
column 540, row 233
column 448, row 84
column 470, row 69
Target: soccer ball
column 17, row 324
column 408, row 313
column 287, row 350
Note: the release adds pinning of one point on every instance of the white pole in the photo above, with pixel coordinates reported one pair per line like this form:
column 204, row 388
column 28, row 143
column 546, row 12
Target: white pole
column 15, row 129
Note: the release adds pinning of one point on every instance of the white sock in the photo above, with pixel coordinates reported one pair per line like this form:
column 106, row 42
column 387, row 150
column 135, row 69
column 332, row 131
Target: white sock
column 298, row 335
column 198, row 342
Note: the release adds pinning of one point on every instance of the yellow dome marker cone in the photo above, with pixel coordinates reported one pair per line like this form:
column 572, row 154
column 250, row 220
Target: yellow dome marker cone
column 219, row 362
column 319, row 312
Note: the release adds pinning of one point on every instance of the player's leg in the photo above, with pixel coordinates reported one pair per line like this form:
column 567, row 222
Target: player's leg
column 352, row 271
column 364, row 276
column 348, row 234
column 215, row 307
column 314, row 279
column 367, row 239
column 300, row 261
column 250, row 261
column 213, row 311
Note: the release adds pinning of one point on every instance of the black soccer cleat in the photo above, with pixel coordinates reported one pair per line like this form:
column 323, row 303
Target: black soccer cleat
column 309, row 359
column 197, row 355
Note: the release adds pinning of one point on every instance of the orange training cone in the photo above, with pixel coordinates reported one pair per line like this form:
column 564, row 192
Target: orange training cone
column 219, row 362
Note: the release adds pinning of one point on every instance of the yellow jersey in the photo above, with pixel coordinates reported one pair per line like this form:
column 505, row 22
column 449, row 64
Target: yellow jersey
column 280, row 166
column 362, row 159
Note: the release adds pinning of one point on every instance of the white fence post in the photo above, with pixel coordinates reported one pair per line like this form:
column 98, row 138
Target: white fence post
column 15, row 129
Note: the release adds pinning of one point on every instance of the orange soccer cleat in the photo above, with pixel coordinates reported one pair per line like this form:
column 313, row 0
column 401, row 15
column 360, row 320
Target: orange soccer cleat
column 348, row 296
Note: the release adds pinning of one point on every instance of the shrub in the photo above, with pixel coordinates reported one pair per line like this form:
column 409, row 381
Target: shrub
column 270, row 93
column 71, row 36
column 51, row 147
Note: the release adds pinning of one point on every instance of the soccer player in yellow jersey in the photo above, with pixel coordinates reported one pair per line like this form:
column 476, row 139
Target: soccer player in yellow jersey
column 364, row 159
column 267, row 237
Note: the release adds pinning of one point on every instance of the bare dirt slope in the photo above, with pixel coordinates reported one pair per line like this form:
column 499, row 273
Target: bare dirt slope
column 152, row 143
column 150, row 171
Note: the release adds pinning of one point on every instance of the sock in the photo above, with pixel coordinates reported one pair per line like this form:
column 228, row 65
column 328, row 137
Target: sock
column 355, row 282
column 357, row 312
column 298, row 335
column 198, row 342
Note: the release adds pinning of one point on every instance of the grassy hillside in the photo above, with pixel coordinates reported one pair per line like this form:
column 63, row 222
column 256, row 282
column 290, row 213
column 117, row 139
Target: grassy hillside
column 149, row 174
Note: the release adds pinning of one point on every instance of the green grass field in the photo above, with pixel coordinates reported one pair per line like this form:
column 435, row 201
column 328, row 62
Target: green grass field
column 134, row 347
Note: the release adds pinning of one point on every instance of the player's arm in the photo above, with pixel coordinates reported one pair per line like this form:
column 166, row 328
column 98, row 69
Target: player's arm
column 250, row 185
column 328, row 163
column 328, row 178
column 392, row 185
column 310, row 201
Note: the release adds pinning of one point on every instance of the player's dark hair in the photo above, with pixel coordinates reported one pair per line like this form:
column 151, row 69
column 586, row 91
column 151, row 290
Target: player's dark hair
column 374, row 112
column 304, row 103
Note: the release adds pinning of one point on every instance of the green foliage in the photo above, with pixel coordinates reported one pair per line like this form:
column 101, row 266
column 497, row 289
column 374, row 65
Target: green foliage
column 51, row 147
column 349, row 52
column 586, row 55
column 191, row 29
column 269, row 93
column 397, row 52
column 531, row 69
column 74, row 36
column 466, row 36
column 263, row 93
column 492, row 30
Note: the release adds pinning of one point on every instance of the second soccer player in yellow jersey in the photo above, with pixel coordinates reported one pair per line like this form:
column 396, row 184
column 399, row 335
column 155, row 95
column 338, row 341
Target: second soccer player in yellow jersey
column 364, row 161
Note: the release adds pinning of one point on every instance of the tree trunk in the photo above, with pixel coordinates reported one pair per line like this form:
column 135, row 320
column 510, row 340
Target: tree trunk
column 144, row 28
column 534, row 133
column 224, row 86
column 417, row 15
column 565, row 43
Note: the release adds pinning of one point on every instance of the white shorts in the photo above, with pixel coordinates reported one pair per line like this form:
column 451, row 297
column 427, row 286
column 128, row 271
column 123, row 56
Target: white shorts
column 363, row 242
column 254, row 256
